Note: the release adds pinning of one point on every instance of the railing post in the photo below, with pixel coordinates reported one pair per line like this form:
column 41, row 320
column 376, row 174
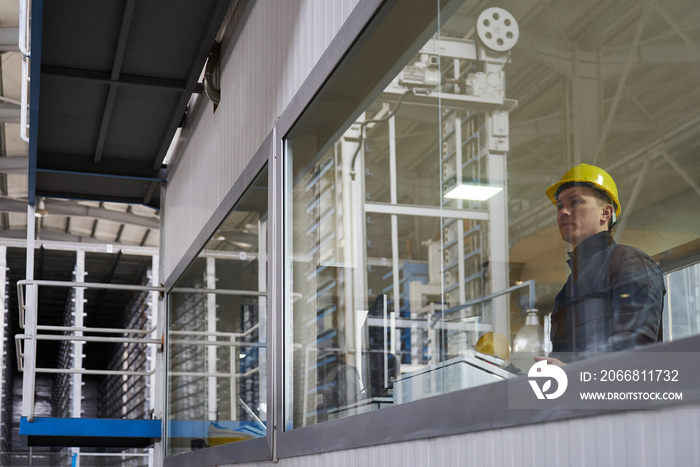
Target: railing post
column 156, row 362
column 29, row 380
column 78, row 321
column 212, row 409
column 23, row 43
column 29, row 324
column 5, row 342
column 160, row 361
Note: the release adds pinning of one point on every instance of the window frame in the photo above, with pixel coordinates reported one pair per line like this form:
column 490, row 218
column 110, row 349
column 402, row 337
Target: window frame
column 440, row 415
column 257, row 449
column 359, row 42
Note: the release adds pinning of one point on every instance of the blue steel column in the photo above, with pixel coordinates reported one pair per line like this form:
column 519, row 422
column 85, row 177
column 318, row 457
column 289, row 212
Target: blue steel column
column 35, row 73
column 30, row 319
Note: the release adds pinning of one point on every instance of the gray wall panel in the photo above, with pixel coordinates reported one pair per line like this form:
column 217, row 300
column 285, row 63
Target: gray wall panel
column 644, row 438
column 279, row 44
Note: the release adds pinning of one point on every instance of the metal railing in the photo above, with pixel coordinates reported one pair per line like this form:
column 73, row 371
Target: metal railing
column 24, row 48
column 26, row 358
column 28, row 319
column 530, row 285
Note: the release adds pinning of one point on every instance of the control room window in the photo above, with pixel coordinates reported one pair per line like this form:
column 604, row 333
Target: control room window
column 422, row 253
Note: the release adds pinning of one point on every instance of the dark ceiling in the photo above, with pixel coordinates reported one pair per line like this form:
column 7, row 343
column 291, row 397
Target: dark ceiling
column 114, row 81
column 110, row 84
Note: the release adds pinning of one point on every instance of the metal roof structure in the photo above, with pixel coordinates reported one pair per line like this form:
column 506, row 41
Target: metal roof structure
column 113, row 81
column 110, row 84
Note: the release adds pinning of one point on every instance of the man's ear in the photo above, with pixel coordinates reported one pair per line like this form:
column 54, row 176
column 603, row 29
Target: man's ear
column 607, row 214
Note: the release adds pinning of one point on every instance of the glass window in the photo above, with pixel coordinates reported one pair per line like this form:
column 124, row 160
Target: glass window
column 217, row 346
column 422, row 253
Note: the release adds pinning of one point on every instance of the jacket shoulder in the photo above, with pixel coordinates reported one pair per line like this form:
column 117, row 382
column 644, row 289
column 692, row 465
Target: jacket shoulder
column 625, row 255
column 626, row 251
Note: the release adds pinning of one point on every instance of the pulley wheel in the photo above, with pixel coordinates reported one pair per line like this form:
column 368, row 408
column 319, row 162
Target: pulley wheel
column 497, row 29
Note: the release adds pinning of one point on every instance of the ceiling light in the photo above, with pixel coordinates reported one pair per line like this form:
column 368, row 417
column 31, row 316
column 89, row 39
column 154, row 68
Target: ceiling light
column 473, row 192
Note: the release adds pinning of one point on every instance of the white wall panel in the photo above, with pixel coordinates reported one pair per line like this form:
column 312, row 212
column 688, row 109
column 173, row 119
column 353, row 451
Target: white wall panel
column 277, row 49
column 666, row 437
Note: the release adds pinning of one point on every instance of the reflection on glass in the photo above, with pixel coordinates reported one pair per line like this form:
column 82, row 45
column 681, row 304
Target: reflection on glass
column 682, row 307
column 397, row 288
column 217, row 382
column 398, row 266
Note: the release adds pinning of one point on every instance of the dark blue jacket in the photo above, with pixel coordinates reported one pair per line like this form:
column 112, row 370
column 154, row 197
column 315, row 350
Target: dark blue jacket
column 613, row 300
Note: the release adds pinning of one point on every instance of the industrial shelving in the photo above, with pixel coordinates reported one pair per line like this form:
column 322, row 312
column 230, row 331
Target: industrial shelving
column 6, row 374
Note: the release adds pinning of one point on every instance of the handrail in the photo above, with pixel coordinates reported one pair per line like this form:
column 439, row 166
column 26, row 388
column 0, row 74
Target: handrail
column 530, row 284
column 112, row 454
column 260, row 345
column 23, row 44
column 32, row 335
column 100, row 330
column 210, row 374
column 245, row 293
column 215, row 333
column 129, row 340
column 84, row 285
column 24, row 30
column 20, row 356
column 145, row 288
column 95, row 372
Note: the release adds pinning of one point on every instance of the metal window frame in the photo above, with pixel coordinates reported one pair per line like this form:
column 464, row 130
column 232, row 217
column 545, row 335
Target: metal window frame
column 255, row 449
column 460, row 412
column 469, row 410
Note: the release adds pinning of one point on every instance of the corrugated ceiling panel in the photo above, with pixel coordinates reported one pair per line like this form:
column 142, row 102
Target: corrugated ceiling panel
column 278, row 47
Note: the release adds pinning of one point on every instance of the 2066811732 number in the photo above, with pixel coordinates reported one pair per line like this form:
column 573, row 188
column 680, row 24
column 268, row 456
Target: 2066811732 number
column 638, row 375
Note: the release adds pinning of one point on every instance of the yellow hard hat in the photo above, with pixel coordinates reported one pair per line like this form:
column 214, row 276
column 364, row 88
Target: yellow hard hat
column 493, row 343
column 590, row 175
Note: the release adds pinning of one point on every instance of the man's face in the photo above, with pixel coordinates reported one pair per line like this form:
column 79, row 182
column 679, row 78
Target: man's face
column 581, row 214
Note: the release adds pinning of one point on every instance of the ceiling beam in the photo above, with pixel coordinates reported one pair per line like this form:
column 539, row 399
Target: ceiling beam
column 8, row 39
column 69, row 208
column 14, row 164
column 116, row 71
column 145, row 237
column 9, row 113
column 118, row 238
column 99, row 77
column 49, row 234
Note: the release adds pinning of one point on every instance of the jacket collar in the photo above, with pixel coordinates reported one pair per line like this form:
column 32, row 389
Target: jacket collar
column 589, row 247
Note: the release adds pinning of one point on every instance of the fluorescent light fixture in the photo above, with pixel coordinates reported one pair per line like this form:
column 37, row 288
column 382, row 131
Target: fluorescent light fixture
column 473, row 192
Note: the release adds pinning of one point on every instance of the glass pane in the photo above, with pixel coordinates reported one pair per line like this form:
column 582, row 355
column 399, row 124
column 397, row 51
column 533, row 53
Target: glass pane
column 682, row 317
column 423, row 255
column 217, row 348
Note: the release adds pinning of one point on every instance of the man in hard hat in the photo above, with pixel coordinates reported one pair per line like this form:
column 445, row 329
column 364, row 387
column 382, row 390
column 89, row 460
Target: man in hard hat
column 613, row 299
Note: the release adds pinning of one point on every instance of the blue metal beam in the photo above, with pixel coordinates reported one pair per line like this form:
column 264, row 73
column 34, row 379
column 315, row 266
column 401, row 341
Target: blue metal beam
column 95, row 432
column 35, row 73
